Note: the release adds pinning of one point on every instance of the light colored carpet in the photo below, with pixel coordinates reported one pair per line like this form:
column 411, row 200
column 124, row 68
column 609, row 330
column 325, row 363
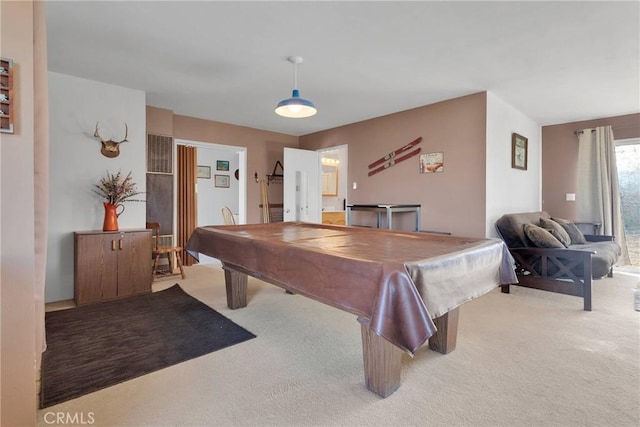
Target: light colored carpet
column 530, row 358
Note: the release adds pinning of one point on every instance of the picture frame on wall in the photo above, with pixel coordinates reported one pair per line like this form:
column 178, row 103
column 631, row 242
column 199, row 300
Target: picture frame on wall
column 432, row 162
column 222, row 165
column 204, row 172
column 519, row 151
column 221, row 181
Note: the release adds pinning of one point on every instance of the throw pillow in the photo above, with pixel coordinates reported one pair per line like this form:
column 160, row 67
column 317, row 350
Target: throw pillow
column 557, row 230
column 541, row 237
column 577, row 238
column 557, row 235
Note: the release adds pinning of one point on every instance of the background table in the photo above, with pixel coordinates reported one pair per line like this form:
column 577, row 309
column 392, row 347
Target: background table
column 386, row 209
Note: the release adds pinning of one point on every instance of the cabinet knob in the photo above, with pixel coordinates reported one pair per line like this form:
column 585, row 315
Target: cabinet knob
column 120, row 245
column 113, row 245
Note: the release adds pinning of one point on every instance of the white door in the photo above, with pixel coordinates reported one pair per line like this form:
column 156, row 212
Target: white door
column 302, row 195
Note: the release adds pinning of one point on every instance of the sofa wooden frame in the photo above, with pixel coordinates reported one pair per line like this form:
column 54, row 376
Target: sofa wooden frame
column 533, row 269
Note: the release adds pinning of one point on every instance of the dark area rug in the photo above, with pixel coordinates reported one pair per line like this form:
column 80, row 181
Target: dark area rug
column 96, row 346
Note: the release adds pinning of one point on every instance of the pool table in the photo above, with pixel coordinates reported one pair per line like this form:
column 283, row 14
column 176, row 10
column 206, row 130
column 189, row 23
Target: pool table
column 405, row 287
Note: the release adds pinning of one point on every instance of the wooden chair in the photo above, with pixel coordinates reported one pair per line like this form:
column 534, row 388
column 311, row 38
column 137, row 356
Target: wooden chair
column 227, row 216
column 172, row 252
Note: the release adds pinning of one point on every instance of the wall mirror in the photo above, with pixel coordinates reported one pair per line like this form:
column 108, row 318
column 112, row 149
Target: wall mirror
column 329, row 180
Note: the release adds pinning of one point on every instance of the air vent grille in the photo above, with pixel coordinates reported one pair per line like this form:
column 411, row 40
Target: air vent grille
column 159, row 154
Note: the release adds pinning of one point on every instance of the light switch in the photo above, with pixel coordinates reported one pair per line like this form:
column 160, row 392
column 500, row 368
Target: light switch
column 570, row 197
column 355, row 185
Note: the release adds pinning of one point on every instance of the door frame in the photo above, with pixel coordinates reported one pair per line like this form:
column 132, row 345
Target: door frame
column 343, row 170
column 242, row 179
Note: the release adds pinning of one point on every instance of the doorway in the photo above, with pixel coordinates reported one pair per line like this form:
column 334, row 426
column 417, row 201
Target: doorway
column 303, row 198
column 221, row 181
column 334, row 199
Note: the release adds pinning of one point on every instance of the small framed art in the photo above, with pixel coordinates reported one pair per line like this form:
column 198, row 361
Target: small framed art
column 431, row 162
column 222, row 165
column 519, row 151
column 221, row 181
column 204, row 172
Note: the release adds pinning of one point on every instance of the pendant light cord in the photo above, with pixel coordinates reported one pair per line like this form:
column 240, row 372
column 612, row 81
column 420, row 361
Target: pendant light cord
column 295, row 106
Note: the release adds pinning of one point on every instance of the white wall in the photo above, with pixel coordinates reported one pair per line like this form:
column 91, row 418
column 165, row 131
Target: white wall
column 76, row 164
column 211, row 199
column 510, row 190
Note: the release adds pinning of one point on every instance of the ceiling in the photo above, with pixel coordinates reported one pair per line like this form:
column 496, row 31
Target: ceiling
column 556, row 62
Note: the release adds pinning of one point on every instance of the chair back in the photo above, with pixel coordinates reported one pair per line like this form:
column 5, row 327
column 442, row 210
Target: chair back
column 227, row 216
column 155, row 227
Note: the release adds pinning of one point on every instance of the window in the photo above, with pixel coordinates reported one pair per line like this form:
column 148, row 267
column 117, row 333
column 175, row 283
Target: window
column 628, row 163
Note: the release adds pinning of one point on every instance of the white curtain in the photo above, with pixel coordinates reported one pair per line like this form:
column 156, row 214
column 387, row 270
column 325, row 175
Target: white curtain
column 597, row 195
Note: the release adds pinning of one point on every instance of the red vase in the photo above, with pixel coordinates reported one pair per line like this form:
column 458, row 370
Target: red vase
column 111, row 217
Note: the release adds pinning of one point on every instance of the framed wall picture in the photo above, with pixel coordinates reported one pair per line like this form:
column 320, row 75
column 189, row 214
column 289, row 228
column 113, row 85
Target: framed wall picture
column 221, row 181
column 519, row 151
column 204, row 172
column 222, row 165
column 432, row 162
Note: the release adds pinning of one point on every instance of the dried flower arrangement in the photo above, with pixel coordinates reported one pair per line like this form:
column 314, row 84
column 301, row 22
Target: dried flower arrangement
column 117, row 188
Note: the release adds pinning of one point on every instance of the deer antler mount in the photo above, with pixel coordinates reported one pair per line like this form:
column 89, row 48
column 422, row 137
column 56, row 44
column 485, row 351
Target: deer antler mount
column 111, row 148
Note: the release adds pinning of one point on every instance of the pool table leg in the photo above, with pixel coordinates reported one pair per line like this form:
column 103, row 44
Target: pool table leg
column 382, row 362
column 444, row 341
column 236, row 284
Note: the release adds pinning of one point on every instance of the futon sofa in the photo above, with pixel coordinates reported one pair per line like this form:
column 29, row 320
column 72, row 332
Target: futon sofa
column 552, row 254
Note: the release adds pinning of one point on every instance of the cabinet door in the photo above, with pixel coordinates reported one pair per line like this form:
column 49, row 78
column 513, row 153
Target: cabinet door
column 134, row 263
column 336, row 218
column 96, row 267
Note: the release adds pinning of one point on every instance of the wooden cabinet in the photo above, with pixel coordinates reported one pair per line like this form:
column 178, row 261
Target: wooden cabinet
column 111, row 264
column 335, row 218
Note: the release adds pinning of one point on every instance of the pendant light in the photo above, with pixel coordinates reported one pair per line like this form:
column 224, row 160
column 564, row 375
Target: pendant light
column 295, row 107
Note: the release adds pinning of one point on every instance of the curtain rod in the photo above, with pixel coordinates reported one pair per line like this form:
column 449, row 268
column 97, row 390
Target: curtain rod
column 578, row 132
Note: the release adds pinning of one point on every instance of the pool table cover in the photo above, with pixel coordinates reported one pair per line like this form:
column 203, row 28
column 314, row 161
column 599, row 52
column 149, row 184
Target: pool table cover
column 399, row 281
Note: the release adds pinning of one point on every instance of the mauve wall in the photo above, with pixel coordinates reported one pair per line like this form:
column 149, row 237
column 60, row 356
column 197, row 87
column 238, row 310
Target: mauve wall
column 159, row 121
column 18, row 324
column 264, row 148
column 452, row 201
column 560, row 158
